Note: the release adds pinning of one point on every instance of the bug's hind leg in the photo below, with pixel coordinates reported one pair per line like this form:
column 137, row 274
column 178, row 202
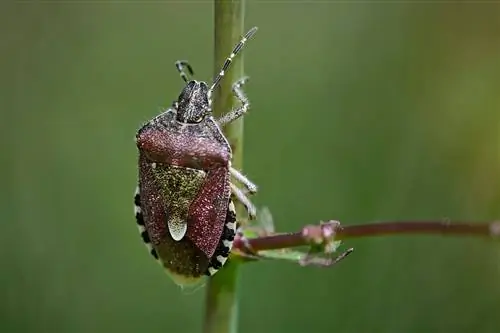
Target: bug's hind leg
column 242, row 109
column 251, row 188
column 242, row 197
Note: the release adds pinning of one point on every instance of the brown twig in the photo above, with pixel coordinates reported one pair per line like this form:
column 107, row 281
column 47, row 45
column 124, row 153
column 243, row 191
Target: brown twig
column 301, row 238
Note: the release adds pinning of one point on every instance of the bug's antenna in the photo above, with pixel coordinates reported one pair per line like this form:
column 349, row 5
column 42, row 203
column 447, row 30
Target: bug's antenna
column 229, row 59
column 180, row 65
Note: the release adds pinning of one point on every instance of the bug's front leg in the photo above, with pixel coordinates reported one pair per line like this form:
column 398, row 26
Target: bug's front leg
column 242, row 109
column 181, row 65
column 241, row 197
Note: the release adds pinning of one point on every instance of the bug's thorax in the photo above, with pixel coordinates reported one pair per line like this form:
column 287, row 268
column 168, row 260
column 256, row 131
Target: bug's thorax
column 167, row 141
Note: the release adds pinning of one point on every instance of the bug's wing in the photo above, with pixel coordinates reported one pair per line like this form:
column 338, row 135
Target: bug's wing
column 207, row 214
column 149, row 202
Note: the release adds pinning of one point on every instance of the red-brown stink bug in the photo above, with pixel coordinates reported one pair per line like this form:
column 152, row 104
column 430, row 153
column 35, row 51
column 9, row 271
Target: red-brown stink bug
column 183, row 204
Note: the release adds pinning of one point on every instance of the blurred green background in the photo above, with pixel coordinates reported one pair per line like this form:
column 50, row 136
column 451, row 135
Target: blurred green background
column 360, row 112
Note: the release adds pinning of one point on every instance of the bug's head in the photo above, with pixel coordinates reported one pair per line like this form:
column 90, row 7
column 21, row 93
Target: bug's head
column 193, row 104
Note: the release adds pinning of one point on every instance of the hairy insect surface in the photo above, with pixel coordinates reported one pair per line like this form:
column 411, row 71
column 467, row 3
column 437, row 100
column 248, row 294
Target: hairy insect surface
column 183, row 202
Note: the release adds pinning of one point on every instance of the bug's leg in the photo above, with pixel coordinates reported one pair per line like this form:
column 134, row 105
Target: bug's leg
column 242, row 109
column 241, row 197
column 181, row 65
column 249, row 185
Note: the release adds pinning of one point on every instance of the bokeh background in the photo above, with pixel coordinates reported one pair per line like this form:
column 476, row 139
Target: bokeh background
column 360, row 112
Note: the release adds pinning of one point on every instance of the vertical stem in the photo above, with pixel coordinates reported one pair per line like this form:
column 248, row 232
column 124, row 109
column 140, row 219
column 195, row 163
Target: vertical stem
column 221, row 307
column 221, row 312
column 228, row 31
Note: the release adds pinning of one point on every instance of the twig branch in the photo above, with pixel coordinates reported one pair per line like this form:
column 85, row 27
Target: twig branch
column 303, row 238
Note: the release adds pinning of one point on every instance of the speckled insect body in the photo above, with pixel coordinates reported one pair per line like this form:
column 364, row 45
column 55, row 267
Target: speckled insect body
column 183, row 202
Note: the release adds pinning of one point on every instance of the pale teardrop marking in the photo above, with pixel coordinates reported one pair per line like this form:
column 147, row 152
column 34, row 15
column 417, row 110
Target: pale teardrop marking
column 177, row 228
column 181, row 186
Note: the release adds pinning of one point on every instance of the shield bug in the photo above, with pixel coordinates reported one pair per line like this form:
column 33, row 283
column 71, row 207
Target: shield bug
column 183, row 201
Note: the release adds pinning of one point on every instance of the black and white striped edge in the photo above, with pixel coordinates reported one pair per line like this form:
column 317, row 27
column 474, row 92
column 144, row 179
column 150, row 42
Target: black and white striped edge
column 226, row 242
column 139, row 218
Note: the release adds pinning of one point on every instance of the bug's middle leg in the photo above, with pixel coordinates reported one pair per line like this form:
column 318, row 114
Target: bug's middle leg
column 249, row 185
column 242, row 109
column 242, row 197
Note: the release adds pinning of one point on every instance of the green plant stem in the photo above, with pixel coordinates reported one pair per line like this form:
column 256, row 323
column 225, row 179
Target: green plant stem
column 221, row 310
